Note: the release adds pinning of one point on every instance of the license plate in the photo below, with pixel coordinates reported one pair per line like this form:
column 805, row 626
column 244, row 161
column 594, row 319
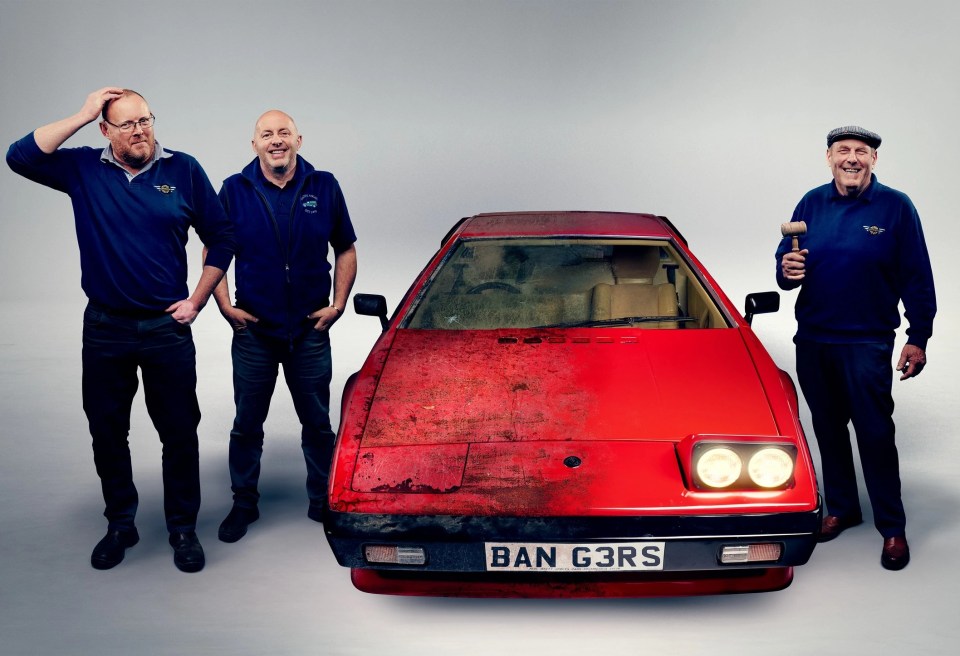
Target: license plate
column 590, row 557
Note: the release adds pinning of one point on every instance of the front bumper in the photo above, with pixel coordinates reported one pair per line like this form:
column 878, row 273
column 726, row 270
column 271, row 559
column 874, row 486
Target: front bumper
column 457, row 543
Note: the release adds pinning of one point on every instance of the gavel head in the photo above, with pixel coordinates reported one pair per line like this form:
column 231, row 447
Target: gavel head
column 794, row 229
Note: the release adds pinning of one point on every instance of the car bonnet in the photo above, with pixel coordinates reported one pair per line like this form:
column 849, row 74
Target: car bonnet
column 453, row 387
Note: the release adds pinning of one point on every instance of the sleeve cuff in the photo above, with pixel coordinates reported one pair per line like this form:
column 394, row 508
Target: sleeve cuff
column 218, row 258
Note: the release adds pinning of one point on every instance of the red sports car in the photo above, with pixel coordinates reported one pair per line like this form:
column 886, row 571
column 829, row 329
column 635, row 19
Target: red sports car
column 566, row 404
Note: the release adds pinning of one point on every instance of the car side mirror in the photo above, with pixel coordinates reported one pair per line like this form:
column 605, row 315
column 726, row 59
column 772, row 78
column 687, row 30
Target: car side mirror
column 372, row 305
column 761, row 303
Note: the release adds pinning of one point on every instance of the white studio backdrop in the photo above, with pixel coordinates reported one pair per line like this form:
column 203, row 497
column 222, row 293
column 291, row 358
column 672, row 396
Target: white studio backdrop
column 712, row 113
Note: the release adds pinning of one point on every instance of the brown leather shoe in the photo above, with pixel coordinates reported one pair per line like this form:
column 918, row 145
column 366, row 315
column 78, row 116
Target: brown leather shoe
column 896, row 553
column 832, row 526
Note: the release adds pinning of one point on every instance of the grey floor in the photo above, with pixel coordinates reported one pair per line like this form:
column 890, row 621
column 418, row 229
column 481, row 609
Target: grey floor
column 280, row 591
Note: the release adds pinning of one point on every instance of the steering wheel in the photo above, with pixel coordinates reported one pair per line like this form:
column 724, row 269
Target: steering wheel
column 500, row 286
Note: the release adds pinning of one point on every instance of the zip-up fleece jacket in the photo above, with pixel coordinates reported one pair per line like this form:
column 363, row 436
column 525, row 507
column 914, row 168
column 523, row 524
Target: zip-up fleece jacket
column 281, row 286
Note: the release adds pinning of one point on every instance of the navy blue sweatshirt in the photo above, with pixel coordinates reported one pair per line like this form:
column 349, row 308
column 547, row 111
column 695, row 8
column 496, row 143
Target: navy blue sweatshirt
column 132, row 233
column 281, row 278
column 867, row 253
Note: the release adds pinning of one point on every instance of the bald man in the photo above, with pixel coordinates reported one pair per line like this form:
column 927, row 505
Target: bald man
column 287, row 217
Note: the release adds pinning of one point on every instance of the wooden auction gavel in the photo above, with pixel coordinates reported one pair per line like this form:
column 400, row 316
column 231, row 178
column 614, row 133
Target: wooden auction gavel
column 794, row 229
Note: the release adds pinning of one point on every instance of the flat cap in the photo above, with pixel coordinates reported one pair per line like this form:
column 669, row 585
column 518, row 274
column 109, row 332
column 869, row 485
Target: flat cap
column 872, row 139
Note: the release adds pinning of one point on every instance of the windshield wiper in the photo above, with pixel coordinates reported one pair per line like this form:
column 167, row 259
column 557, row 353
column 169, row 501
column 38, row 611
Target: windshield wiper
column 619, row 321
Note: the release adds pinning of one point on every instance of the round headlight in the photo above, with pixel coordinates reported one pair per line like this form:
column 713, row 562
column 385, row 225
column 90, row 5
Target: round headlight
column 770, row 467
column 719, row 467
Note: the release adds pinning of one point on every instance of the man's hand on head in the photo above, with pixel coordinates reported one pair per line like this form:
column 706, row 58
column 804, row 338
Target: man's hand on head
column 96, row 100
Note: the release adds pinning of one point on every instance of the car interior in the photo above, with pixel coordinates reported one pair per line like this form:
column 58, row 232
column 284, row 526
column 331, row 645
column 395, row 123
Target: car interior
column 487, row 284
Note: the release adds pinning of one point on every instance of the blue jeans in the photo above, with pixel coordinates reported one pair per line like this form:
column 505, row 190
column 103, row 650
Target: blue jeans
column 114, row 347
column 307, row 370
column 845, row 383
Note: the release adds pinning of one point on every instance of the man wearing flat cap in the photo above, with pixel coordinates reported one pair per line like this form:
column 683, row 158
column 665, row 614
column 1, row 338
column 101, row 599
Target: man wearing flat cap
column 862, row 254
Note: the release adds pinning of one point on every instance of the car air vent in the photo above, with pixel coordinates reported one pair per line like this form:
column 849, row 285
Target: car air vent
column 552, row 339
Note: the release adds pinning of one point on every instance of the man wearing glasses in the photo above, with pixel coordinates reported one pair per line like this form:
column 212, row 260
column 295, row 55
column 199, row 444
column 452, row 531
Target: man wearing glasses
column 133, row 204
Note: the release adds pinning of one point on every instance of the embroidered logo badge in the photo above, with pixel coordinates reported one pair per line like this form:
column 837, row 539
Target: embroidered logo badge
column 874, row 230
column 164, row 189
column 309, row 203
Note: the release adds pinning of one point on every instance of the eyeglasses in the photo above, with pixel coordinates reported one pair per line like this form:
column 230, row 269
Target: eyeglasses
column 127, row 126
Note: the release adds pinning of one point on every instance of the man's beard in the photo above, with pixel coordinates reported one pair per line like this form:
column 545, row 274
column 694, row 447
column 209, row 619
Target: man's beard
column 135, row 160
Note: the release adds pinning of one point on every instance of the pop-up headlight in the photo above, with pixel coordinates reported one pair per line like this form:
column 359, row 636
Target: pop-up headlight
column 721, row 464
column 718, row 467
column 770, row 467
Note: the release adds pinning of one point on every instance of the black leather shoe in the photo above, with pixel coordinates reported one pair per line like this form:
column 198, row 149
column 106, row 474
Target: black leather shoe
column 187, row 552
column 832, row 526
column 109, row 551
column 896, row 553
column 234, row 526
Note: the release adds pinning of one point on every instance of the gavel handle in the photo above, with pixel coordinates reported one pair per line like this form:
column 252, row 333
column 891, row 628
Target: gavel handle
column 796, row 244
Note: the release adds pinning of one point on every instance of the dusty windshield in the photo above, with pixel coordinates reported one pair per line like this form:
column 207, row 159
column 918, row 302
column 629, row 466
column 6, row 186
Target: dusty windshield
column 563, row 282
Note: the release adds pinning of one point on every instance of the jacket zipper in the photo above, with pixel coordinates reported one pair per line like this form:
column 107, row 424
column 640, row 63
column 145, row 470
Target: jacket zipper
column 285, row 251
